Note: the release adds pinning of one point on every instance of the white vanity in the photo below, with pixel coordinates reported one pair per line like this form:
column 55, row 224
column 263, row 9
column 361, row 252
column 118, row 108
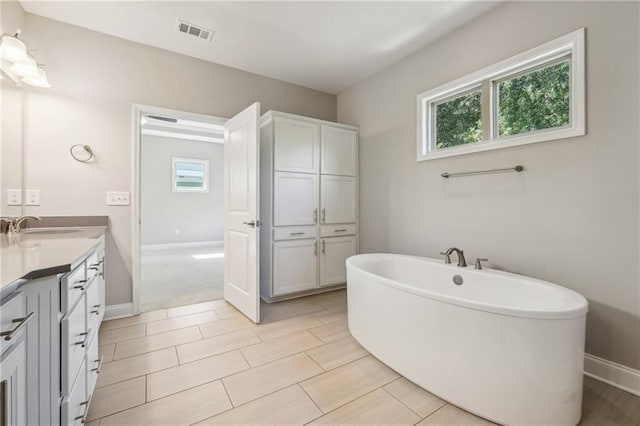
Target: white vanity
column 309, row 193
column 52, row 303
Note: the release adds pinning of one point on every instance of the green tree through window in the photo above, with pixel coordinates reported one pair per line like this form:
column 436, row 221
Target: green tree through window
column 535, row 101
column 459, row 121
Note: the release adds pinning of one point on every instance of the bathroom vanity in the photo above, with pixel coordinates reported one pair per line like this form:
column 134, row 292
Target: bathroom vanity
column 308, row 206
column 52, row 302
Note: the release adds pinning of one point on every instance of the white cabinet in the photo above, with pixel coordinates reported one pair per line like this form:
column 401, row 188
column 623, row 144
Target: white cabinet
column 296, row 145
column 334, row 254
column 339, row 199
column 295, row 199
column 294, row 266
column 339, row 151
column 308, row 191
column 13, row 385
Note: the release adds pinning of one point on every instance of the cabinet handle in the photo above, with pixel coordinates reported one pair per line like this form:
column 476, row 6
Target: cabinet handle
column 97, row 310
column 340, row 230
column 80, row 287
column 315, row 215
column 323, row 247
column 99, row 367
column 296, row 233
column 8, row 335
column 315, row 248
column 87, row 404
column 83, row 342
column 324, row 215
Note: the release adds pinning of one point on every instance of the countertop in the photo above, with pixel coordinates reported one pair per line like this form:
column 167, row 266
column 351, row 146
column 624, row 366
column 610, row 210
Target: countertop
column 41, row 252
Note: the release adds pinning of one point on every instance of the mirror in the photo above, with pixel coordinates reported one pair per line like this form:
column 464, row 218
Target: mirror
column 11, row 123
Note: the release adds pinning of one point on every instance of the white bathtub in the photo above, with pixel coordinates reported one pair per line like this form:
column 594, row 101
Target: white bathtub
column 502, row 346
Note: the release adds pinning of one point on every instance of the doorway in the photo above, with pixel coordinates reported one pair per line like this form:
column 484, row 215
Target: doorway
column 181, row 249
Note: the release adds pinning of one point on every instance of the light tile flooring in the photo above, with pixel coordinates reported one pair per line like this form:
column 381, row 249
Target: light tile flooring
column 173, row 277
column 207, row 364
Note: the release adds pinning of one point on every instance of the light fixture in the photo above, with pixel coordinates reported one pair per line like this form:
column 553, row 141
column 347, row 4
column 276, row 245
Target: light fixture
column 39, row 81
column 13, row 49
column 25, row 69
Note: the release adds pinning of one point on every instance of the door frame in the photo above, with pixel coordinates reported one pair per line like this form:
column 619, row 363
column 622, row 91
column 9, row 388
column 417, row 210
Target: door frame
column 138, row 110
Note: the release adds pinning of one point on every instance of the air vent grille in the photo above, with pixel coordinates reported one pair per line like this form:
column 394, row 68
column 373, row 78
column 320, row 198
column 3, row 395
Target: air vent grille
column 195, row 30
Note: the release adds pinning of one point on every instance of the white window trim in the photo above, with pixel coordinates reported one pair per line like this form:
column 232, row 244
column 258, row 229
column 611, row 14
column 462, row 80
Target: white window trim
column 572, row 43
column 174, row 186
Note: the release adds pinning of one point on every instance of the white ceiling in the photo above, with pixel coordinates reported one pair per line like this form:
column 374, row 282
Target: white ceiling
column 327, row 45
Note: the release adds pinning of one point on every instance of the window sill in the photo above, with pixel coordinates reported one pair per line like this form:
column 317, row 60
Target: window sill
column 492, row 144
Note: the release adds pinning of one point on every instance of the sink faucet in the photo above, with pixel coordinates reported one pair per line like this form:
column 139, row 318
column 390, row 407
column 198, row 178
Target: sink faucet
column 461, row 260
column 14, row 223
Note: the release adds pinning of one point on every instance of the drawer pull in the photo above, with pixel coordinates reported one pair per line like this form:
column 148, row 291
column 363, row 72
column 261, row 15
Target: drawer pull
column 87, row 404
column 340, row 230
column 323, row 247
column 21, row 322
column 99, row 367
column 324, row 215
column 94, row 267
column 296, row 233
column 315, row 248
column 315, row 215
column 83, row 342
column 97, row 310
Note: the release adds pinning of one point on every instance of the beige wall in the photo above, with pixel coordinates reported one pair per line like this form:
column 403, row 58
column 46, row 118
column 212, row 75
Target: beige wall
column 11, row 19
column 170, row 217
column 96, row 78
column 570, row 218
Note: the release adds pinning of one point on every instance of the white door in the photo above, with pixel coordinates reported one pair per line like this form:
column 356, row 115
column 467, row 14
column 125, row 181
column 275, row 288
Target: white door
column 338, row 199
column 333, row 255
column 296, row 146
column 295, row 199
column 13, row 385
column 339, row 151
column 294, row 266
column 241, row 212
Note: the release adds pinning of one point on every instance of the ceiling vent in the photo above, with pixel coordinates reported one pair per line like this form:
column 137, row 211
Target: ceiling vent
column 194, row 30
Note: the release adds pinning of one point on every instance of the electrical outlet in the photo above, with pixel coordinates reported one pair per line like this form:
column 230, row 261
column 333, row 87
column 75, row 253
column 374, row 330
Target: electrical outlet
column 33, row 197
column 117, row 198
column 14, row 197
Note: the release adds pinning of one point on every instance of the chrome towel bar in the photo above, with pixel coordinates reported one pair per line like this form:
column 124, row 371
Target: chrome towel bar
column 517, row 168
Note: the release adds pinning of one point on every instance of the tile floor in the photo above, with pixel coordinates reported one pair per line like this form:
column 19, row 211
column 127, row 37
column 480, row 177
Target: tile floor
column 174, row 277
column 207, row 364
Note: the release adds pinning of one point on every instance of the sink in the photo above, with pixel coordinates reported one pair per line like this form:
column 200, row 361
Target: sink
column 49, row 231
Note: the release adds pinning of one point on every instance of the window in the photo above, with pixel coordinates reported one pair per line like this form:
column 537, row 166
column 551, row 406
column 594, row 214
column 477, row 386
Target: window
column 190, row 175
column 533, row 97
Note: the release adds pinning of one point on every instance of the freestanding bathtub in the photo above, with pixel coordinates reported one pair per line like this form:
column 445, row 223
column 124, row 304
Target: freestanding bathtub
column 502, row 346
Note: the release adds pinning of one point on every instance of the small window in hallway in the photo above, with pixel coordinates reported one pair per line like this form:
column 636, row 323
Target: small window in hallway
column 190, row 175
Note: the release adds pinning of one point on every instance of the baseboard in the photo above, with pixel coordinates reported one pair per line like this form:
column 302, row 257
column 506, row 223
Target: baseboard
column 118, row 311
column 614, row 374
column 181, row 245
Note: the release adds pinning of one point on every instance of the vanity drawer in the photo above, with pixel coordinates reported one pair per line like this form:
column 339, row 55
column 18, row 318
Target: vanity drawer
column 294, row 233
column 93, row 365
column 337, row 230
column 93, row 267
column 94, row 307
column 75, row 403
column 75, row 338
column 13, row 319
column 72, row 287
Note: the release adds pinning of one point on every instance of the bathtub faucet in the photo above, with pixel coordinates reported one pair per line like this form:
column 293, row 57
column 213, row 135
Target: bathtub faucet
column 461, row 260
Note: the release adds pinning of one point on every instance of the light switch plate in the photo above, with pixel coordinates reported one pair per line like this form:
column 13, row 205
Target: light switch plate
column 14, row 197
column 33, row 197
column 117, row 198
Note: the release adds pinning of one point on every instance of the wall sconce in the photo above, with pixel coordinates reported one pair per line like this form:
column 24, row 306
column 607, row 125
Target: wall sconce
column 12, row 49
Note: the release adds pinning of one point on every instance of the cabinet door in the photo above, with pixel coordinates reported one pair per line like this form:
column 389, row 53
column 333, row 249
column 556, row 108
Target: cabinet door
column 339, row 199
column 295, row 146
column 294, row 266
column 338, row 151
column 295, row 199
column 334, row 253
column 13, row 386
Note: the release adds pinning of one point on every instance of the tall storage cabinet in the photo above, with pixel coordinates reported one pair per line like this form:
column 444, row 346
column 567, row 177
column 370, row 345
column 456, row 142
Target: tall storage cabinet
column 309, row 203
